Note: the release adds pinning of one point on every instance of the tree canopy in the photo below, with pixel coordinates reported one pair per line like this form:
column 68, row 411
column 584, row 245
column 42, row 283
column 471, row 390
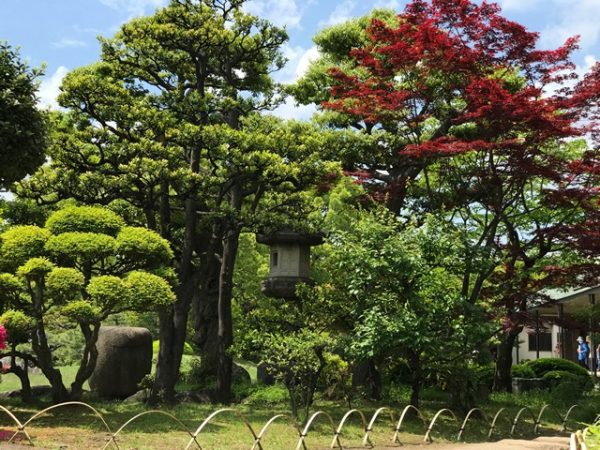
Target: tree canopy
column 22, row 124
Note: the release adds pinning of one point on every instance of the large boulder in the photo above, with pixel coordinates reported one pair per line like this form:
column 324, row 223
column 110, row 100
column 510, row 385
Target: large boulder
column 124, row 358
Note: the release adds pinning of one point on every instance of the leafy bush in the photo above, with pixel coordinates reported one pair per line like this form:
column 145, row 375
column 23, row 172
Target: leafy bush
column 268, row 396
column 567, row 392
column 557, row 377
column 484, row 375
column 522, row 371
column 85, row 219
column 543, row 365
column 187, row 348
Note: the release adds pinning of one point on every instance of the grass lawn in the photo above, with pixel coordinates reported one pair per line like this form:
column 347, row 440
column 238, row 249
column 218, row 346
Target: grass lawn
column 77, row 427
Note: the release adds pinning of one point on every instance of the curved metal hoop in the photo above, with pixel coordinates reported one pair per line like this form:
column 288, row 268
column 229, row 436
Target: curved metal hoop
column 214, row 414
column 468, row 416
column 396, row 438
column 427, row 437
column 493, row 425
column 514, row 425
column 564, row 424
column 338, row 431
column 20, row 426
column 261, row 434
column 145, row 413
column 304, row 433
column 539, row 417
column 366, row 439
column 60, row 405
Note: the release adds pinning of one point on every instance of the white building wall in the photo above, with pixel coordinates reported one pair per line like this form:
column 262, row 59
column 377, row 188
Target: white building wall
column 523, row 353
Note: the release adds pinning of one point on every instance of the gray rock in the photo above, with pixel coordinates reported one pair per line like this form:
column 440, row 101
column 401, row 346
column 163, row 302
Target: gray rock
column 124, row 358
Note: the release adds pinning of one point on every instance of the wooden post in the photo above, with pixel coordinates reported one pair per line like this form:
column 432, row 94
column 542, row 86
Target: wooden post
column 594, row 357
column 561, row 336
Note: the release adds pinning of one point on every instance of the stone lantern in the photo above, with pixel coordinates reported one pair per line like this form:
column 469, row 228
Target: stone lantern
column 290, row 261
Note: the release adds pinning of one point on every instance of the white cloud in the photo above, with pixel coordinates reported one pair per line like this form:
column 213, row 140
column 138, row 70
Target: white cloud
column 50, row 88
column 69, row 43
column 388, row 4
column 298, row 61
column 342, row 13
column 310, row 55
column 574, row 17
column 134, row 8
column 518, row 5
column 281, row 12
column 289, row 110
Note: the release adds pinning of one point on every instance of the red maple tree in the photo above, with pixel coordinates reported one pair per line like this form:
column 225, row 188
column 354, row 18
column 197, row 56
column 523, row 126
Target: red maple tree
column 466, row 93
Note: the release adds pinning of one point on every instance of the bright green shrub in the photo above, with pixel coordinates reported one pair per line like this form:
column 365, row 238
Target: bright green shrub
column 84, row 219
column 268, row 396
column 543, row 365
column 187, row 348
column 64, row 284
column 109, row 292
column 148, row 290
column 35, row 267
column 556, row 377
column 144, row 246
column 522, row 371
column 81, row 311
column 20, row 243
column 84, row 246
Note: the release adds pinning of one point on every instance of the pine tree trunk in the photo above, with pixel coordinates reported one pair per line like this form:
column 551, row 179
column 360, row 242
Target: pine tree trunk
column 225, row 331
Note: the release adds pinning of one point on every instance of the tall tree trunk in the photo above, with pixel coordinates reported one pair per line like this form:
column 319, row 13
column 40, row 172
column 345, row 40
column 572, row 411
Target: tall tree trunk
column 225, row 331
column 205, row 304
column 502, row 377
column 173, row 322
column 414, row 363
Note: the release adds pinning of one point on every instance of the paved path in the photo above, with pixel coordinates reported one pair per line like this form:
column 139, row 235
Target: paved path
column 541, row 443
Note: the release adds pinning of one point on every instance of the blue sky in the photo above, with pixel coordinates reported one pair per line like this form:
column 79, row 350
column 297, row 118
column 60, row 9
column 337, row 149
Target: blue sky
column 62, row 33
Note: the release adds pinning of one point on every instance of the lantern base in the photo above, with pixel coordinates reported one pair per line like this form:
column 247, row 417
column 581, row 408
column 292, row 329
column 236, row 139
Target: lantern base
column 283, row 287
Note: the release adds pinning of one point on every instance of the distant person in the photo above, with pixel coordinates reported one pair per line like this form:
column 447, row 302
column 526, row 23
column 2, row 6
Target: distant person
column 583, row 351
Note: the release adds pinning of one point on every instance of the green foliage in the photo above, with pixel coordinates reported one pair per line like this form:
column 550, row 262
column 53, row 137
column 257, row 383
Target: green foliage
column 64, row 284
column 297, row 359
column 20, row 243
column 35, row 268
column 10, row 288
column 84, row 219
column 109, row 292
column 144, row 246
column 148, row 291
column 543, row 365
column 81, row 311
column 335, row 381
column 18, row 326
column 187, row 348
column 557, row 377
column 522, row 371
column 78, row 246
column 268, row 396
column 22, row 123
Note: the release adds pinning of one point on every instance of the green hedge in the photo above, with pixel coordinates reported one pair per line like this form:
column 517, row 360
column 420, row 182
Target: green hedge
column 544, row 365
column 522, row 371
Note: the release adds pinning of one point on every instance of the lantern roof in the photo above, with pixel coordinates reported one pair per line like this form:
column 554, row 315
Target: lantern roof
column 290, row 237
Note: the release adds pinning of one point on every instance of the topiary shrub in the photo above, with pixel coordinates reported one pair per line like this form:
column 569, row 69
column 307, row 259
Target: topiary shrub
column 556, row 377
column 522, row 371
column 543, row 365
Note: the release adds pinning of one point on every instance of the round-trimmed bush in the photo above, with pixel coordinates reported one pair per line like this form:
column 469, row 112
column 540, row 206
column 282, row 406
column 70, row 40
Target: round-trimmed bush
column 543, row 365
column 522, row 371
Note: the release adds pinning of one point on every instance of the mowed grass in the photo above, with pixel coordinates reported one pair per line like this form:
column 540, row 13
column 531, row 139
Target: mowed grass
column 76, row 427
